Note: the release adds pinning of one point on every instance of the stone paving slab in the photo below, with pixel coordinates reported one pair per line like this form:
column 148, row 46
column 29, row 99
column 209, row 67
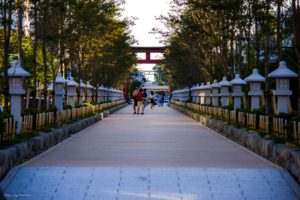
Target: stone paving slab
column 89, row 183
column 162, row 155
column 162, row 137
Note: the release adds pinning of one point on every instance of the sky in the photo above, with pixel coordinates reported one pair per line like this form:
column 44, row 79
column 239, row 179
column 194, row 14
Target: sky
column 145, row 11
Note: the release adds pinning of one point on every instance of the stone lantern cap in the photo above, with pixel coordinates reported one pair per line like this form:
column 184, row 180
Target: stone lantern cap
column 50, row 87
column 215, row 84
column 195, row 87
column 82, row 84
column 71, row 82
column 283, row 72
column 237, row 80
column 255, row 77
column 60, row 79
column 101, row 87
column 16, row 70
column 89, row 86
column 225, row 82
column 208, row 86
column 201, row 87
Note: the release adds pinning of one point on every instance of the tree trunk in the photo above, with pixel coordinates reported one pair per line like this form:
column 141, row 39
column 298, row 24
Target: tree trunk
column 34, row 53
column 279, row 30
column 267, row 60
column 44, row 52
column 27, row 18
column 296, row 31
column 20, row 32
column 7, row 15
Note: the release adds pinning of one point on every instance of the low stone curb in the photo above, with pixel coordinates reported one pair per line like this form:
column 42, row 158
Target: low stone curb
column 286, row 157
column 19, row 153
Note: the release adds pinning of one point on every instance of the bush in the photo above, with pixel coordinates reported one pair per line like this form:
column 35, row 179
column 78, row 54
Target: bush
column 3, row 115
column 30, row 111
column 87, row 104
column 68, row 107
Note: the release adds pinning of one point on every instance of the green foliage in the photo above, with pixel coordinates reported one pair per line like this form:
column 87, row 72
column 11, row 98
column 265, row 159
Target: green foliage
column 30, row 111
column 3, row 115
column 88, row 104
column 67, row 107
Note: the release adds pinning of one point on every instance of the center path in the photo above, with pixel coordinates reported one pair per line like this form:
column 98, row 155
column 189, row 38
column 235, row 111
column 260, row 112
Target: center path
column 162, row 155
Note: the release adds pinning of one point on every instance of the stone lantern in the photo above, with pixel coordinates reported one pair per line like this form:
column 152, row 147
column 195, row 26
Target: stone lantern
column 193, row 91
column 237, row 91
column 207, row 93
column 82, row 90
column 255, row 80
column 89, row 92
column 59, row 91
column 282, row 75
column 202, row 93
column 50, row 94
column 215, row 87
column 100, row 94
column 225, row 94
column 72, row 85
column 16, row 75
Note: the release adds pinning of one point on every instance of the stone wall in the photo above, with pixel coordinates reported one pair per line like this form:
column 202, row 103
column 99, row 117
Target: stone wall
column 19, row 153
column 288, row 158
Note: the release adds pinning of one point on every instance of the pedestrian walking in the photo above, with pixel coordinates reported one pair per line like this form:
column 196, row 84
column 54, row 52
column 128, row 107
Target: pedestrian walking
column 140, row 105
column 145, row 98
column 134, row 95
column 162, row 99
column 152, row 99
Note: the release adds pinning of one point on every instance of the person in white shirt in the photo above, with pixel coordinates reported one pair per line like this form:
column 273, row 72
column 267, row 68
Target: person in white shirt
column 152, row 99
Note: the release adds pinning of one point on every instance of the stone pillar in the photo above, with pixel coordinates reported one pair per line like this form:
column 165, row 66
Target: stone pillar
column 89, row 92
column 207, row 94
column 72, row 91
column 59, row 91
column 16, row 76
column 82, row 92
column 215, row 93
column 255, row 80
column 50, row 95
column 202, row 94
column 282, row 75
column 237, row 91
column 225, row 94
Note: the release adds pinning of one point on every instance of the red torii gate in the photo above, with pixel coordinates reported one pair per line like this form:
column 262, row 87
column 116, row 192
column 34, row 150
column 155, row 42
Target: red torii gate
column 148, row 51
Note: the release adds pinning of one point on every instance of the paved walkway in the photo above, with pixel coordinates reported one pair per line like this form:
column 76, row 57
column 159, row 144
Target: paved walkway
column 162, row 155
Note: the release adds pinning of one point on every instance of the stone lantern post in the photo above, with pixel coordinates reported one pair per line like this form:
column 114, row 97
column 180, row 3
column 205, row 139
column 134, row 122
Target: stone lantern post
column 16, row 75
column 82, row 88
column 89, row 92
column 202, row 93
column 255, row 80
column 196, row 94
column 215, row 93
column 100, row 94
column 72, row 85
column 59, row 91
column 193, row 91
column 207, row 93
column 282, row 75
column 49, row 95
column 225, row 94
column 237, row 91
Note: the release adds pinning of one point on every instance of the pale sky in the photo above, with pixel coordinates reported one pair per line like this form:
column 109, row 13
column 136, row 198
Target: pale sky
column 145, row 11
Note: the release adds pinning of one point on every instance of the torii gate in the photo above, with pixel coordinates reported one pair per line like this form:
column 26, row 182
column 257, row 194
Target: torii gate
column 148, row 51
